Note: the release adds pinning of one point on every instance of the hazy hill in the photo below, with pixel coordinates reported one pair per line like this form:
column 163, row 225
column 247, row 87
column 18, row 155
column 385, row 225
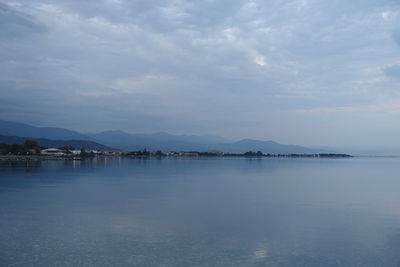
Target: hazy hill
column 77, row 144
column 162, row 141
column 155, row 141
column 264, row 146
column 166, row 142
column 9, row 128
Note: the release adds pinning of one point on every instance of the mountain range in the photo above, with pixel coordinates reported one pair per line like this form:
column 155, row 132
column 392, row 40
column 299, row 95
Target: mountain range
column 155, row 141
column 52, row 133
column 77, row 144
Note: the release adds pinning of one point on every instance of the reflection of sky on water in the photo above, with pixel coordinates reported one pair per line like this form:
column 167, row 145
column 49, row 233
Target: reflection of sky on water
column 204, row 212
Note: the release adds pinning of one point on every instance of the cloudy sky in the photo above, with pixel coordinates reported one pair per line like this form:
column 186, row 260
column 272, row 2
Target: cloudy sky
column 307, row 72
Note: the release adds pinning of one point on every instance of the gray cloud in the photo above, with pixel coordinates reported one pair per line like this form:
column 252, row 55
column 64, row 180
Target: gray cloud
column 14, row 23
column 236, row 68
column 393, row 71
column 396, row 37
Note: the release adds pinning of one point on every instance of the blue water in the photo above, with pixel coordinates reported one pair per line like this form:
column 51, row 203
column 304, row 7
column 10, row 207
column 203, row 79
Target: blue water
column 201, row 212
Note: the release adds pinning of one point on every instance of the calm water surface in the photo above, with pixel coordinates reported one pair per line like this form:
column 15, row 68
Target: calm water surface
column 201, row 212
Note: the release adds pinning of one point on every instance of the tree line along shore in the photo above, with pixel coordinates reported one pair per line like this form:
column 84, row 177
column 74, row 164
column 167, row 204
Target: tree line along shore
column 31, row 150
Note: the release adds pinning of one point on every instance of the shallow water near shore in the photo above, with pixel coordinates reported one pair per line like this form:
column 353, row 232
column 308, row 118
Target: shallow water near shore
column 201, row 212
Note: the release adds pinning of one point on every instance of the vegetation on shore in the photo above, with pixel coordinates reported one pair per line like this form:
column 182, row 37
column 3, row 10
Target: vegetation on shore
column 32, row 148
column 249, row 154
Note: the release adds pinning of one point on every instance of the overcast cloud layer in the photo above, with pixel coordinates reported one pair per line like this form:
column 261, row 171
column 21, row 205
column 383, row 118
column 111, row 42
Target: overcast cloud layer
column 304, row 71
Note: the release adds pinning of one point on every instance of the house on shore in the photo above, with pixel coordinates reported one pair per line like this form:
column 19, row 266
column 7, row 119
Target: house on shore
column 52, row 152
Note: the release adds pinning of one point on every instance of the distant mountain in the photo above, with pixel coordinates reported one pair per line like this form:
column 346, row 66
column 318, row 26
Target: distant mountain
column 9, row 128
column 155, row 141
column 168, row 142
column 263, row 146
column 77, row 144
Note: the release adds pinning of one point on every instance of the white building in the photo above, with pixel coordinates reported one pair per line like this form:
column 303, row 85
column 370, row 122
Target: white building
column 52, row 152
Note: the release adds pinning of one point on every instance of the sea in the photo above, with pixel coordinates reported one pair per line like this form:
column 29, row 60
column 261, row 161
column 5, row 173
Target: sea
column 201, row 212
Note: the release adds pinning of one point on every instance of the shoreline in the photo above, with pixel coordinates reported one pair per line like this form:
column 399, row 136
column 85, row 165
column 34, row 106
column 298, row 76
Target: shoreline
column 34, row 158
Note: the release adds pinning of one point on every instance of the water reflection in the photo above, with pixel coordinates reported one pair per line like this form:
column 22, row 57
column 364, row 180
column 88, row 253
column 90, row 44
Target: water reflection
column 201, row 212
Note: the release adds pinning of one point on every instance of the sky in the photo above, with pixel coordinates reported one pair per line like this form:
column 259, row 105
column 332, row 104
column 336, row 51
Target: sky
column 305, row 72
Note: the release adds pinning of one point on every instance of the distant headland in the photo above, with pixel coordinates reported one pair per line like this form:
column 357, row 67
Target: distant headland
column 50, row 137
column 31, row 151
column 23, row 142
